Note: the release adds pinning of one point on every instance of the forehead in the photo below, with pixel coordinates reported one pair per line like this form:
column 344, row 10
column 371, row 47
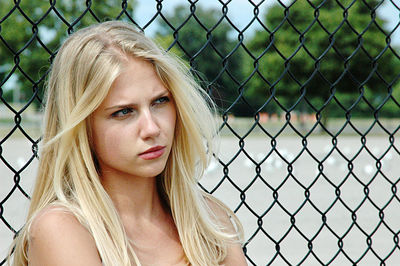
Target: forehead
column 138, row 80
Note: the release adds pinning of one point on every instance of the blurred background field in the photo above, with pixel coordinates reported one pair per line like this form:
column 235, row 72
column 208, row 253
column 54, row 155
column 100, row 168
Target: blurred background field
column 274, row 124
column 261, row 170
column 257, row 173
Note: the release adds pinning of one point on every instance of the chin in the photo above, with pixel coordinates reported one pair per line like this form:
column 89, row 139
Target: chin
column 152, row 172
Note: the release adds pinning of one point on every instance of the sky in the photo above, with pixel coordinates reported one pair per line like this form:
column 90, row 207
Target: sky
column 240, row 12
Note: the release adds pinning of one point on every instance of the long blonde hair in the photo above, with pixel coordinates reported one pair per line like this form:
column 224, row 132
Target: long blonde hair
column 81, row 75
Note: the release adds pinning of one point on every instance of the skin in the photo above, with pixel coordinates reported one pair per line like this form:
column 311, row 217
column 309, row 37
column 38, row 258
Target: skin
column 138, row 114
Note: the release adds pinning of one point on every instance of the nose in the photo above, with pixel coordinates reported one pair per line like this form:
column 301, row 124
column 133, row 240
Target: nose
column 149, row 127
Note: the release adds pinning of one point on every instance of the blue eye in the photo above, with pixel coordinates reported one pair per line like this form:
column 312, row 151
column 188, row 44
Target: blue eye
column 164, row 99
column 122, row 112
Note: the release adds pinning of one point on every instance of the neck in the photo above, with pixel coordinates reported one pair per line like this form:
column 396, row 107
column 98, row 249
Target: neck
column 136, row 199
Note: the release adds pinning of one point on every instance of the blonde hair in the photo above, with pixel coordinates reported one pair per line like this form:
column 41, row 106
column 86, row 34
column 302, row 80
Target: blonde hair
column 81, row 75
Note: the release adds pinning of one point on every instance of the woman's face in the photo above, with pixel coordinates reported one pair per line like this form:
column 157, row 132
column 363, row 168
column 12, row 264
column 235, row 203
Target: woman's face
column 133, row 128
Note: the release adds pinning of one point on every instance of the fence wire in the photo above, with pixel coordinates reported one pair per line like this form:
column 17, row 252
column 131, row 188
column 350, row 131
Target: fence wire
column 312, row 171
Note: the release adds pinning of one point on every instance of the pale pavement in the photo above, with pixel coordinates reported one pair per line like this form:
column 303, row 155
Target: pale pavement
column 291, row 196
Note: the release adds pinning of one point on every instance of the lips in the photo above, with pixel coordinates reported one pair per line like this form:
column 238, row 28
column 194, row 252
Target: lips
column 152, row 153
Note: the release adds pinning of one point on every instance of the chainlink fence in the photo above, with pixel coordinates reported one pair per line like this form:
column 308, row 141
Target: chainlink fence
column 309, row 97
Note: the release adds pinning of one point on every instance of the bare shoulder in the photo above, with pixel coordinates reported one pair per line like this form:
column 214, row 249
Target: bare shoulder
column 224, row 215
column 56, row 237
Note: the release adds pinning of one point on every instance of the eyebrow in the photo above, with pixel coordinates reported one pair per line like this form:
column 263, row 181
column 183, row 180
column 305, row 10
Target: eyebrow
column 124, row 105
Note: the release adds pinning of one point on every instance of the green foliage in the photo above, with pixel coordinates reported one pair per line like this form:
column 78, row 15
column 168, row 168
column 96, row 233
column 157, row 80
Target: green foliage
column 312, row 48
column 32, row 33
column 204, row 42
column 319, row 49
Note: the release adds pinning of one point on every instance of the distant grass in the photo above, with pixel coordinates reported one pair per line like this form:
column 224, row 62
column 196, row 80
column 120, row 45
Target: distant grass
column 334, row 125
column 6, row 121
column 243, row 125
column 31, row 127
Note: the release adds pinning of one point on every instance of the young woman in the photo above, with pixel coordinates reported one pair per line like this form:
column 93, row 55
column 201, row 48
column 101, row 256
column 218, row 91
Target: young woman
column 127, row 135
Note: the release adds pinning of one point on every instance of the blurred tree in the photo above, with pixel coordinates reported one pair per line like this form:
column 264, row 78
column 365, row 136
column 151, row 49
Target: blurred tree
column 203, row 39
column 32, row 31
column 321, row 48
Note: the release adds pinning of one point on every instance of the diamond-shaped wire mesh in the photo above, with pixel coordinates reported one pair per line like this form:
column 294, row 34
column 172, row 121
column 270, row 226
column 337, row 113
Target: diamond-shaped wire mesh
column 309, row 96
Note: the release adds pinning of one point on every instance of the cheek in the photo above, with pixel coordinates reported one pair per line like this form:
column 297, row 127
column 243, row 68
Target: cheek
column 107, row 143
column 171, row 118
